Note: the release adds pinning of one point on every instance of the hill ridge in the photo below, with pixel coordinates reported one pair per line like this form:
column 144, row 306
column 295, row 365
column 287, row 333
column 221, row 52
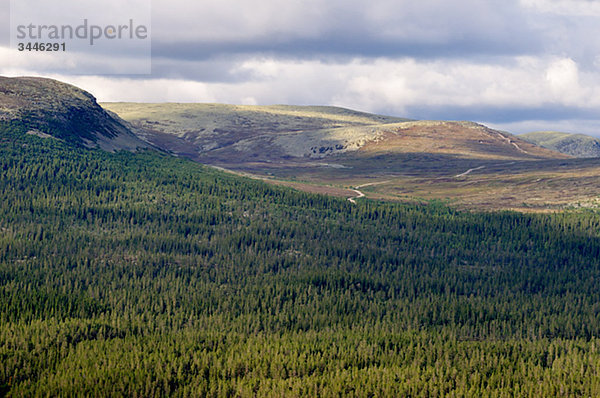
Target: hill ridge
column 65, row 112
column 573, row 144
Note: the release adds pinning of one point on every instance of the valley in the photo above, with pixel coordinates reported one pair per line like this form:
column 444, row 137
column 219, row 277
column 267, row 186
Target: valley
column 218, row 250
column 323, row 149
column 333, row 150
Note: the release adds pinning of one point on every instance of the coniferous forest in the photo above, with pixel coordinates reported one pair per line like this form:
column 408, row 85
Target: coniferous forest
column 147, row 275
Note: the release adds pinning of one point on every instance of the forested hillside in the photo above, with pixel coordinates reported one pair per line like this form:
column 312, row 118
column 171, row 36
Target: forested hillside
column 147, row 275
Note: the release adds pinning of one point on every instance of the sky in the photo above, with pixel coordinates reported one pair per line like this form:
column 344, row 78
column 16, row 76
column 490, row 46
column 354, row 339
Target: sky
column 516, row 65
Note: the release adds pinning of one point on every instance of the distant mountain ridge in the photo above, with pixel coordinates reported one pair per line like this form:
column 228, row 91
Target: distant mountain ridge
column 204, row 131
column 241, row 134
column 49, row 108
column 577, row 145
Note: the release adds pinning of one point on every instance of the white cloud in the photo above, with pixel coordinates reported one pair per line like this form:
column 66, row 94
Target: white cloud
column 144, row 90
column 373, row 85
column 44, row 63
column 563, row 77
column 111, row 89
column 565, row 7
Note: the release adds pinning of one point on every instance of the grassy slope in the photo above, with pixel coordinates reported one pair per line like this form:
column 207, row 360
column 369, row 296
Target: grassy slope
column 219, row 133
column 577, row 145
column 545, row 137
column 295, row 129
column 288, row 117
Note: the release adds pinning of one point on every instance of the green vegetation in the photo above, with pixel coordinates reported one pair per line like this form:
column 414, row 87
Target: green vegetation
column 578, row 145
column 147, row 275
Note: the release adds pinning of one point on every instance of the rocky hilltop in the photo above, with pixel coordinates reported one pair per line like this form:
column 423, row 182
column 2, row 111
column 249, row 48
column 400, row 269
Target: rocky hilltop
column 49, row 108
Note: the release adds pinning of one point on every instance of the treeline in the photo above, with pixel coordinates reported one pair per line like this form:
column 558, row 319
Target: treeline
column 142, row 274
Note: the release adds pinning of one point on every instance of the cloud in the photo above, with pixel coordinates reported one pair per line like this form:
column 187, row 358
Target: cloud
column 4, row 23
column 504, row 62
column 70, row 62
column 353, row 28
column 565, row 7
column 123, row 89
column 563, row 77
column 402, row 87
column 91, row 37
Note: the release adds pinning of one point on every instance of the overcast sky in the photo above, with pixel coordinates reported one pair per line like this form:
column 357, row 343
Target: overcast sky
column 519, row 65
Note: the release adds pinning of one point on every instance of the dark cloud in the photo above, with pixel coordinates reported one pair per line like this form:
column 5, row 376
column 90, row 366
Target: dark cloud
column 427, row 29
column 348, row 46
column 217, row 69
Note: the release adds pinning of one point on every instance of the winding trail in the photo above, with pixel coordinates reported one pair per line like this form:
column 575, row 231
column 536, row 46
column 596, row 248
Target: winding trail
column 511, row 142
column 360, row 194
column 483, row 167
column 469, row 171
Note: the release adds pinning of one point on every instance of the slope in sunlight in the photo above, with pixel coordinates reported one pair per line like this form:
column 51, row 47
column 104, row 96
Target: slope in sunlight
column 335, row 150
column 464, row 139
column 577, row 145
column 233, row 134
column 219, row 133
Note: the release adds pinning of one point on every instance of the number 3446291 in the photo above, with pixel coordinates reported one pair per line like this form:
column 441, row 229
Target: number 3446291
column 41, row 47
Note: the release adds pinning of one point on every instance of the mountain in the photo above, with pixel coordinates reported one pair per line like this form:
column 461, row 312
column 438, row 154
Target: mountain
column 576, row 145
column 231, row 135
column 220, row 133
column 49, row 108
